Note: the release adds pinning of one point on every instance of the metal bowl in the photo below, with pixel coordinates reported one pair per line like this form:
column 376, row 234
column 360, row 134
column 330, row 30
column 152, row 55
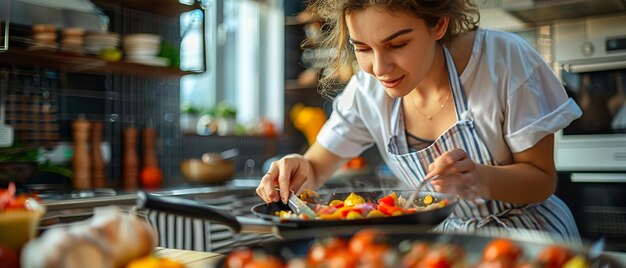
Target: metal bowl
column 214, row 172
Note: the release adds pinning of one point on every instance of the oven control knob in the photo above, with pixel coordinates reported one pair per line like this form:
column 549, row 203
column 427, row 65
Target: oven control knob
column 587, row 49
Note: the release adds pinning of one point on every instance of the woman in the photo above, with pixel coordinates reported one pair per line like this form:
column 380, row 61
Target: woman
column 440, row 96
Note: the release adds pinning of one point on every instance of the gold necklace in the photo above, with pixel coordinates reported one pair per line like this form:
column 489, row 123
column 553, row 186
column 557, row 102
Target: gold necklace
column 430, row 117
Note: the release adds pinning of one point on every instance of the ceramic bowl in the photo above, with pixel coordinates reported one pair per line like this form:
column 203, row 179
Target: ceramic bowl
column 217, row 172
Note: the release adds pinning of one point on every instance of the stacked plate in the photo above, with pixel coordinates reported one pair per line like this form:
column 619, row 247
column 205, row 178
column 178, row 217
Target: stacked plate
column 96, row 42
column 44, row 37
column 143, row 49
column 72, row 41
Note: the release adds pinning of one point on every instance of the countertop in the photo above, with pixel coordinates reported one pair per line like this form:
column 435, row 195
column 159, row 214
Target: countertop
column 81, row 198
column 191, row 259
column 79, row 205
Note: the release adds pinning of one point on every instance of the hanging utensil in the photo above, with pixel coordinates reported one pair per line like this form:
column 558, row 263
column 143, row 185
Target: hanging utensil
column 6, row 131
column 219, row 157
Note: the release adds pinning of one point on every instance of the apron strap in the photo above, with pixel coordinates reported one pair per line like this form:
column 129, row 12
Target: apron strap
column 460, row 102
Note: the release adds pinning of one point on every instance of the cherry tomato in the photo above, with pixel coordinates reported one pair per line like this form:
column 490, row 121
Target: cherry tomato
column 324, row 249
column 415, row 254
column 18, row 203
column 265, row 261
column 239, row 258
column 151, row 178
column 502, row 249
column 8, row 257
column 341, row 259
column 554, row 256
column 364, row 239
column 435, row 259
column 376, row 256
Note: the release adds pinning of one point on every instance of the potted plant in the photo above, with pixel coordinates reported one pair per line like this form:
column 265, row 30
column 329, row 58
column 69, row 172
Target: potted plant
column 226, row 119
column 189, row 116
column 19, row 163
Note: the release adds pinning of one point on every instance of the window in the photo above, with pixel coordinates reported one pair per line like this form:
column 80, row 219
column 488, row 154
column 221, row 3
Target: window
column 244, row 58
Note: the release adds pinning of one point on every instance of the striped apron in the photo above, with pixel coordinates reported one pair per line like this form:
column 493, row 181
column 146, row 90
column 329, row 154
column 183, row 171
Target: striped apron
column 551, row 215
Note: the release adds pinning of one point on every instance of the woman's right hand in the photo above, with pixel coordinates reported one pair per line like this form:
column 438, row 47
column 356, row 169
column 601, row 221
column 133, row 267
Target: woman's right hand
column 284, row 177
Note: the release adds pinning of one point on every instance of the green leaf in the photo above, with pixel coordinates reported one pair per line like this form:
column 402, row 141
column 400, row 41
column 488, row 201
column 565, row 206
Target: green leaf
column 56, row 169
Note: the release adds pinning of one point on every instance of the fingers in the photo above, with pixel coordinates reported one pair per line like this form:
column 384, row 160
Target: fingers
column 453, row 161
column 293, row 173
column 299, row 178
column 462, row 184
column 457, row 174
column 284, row 177
column 267, row 188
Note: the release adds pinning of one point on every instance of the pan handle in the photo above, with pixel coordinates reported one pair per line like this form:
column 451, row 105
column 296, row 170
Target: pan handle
column 188, row 208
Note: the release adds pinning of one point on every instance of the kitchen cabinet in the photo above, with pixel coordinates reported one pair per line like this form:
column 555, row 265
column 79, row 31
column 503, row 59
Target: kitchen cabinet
column 130, row 10
column 120, row 94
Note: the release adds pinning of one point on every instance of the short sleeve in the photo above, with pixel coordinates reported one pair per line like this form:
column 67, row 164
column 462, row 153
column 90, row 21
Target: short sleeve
column 345, row 134
column 539, row 106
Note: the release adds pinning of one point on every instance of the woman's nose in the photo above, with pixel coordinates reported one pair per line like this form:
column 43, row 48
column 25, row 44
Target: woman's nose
column 381, row 64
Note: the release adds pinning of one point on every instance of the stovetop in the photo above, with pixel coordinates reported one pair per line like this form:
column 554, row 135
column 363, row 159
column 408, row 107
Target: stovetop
column 76, row 194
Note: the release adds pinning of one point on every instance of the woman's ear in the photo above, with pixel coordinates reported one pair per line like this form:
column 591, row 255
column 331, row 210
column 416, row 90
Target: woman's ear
column 440, row 29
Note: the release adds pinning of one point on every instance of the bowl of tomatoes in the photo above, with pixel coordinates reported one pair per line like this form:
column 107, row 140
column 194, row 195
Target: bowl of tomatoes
column 405, row 246
column 19, row 217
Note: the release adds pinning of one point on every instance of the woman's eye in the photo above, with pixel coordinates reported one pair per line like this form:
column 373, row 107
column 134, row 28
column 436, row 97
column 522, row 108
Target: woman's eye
column 398, row 45
column 361, row 50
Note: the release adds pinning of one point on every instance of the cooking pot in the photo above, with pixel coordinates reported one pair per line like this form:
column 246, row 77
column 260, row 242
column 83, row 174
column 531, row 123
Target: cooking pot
column 267, row 220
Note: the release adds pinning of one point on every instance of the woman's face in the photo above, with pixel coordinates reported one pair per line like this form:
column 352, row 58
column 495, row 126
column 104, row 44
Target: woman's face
column 396, row 48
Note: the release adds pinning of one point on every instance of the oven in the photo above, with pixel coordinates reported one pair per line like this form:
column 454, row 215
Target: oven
column 590, row 153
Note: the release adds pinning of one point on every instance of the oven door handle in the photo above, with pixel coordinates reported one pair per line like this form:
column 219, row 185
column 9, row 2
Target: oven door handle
column 593, row 67
column 599, row 177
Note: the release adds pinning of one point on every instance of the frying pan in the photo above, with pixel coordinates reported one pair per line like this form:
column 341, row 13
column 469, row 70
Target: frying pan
column 268, row 222
column 531, row 242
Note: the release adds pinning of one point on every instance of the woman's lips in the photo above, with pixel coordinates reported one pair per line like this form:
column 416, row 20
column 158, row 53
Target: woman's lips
column 391, row 83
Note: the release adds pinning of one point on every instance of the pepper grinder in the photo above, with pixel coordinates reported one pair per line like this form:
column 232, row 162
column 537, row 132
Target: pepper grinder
column 97, row 160
column 149, row 141
column 81, row 162
column 130, row 173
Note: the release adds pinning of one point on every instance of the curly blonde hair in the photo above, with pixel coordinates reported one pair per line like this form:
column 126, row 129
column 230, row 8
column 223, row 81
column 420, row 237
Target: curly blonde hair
column 464, row 17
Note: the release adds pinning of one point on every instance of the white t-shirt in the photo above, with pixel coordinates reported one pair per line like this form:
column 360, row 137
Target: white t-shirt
column 513, row 97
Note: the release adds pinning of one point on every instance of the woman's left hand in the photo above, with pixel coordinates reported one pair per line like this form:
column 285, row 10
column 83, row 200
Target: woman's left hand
column 457, row 174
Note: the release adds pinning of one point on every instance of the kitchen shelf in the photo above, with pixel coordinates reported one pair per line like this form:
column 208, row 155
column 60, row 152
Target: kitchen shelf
column 163, row 7
column 17, row 56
